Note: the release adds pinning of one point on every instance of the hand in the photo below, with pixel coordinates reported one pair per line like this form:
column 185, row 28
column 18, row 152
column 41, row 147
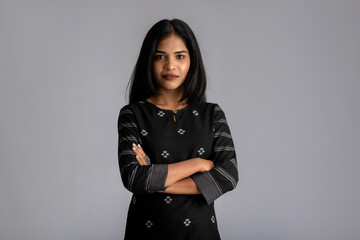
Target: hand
column 141, row 157
column 205, row 165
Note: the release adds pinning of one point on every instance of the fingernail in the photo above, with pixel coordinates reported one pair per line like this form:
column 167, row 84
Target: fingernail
column 134, row 144
column 139, row 145
column 134, row 148
column 137, row 156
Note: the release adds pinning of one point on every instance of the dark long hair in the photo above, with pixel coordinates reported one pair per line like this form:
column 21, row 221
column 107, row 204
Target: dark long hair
column 143, row 84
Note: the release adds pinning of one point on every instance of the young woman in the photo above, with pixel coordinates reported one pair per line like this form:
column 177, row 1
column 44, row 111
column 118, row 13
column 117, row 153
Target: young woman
column 176, row 153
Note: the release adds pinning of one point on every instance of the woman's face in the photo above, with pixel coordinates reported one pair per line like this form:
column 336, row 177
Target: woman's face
column 171, row 63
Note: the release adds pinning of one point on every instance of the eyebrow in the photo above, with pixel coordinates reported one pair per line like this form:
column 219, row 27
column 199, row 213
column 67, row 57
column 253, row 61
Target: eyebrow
column 157, row 51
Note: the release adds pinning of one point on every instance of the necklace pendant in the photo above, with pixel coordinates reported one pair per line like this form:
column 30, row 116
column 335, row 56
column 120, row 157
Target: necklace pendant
column 174, row 115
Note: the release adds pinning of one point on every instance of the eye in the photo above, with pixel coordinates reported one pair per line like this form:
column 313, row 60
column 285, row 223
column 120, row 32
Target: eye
column 159, row 56
column 180, row 57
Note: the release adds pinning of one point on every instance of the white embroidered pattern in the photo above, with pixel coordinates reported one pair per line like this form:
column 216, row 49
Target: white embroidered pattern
column 148, row 224
column 144, row 132
column 187, row 222
column 161, row 113
column 213, row 219
column 201, row 151
column 165, row 154
column 181, row 131
column 168, row 199
column 195, row 112
column 134, row 200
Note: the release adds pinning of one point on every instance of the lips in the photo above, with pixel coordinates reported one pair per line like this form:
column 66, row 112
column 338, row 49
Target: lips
column 170, row 76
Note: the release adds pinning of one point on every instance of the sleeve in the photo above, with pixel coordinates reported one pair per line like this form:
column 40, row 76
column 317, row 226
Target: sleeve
column 135, row 177
column 224, row 176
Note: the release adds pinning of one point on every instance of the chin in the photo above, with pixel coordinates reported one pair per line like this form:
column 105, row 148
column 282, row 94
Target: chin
column 171, row 86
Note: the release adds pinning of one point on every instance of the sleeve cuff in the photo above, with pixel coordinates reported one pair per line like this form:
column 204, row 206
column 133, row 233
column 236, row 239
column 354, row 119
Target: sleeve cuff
column 159, row 175
column 207, row 186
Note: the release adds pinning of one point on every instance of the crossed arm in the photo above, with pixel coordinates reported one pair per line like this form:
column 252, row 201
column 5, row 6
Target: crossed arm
column 178, row 180
column 211, row 178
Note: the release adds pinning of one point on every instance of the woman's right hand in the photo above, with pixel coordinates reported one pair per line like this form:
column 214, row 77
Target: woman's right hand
column 205, row 165
column 141, row 156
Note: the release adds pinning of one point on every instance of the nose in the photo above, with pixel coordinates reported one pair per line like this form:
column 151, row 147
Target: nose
column 170, row 64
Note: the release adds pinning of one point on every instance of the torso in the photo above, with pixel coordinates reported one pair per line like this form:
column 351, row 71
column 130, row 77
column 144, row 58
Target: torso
column 169, row 216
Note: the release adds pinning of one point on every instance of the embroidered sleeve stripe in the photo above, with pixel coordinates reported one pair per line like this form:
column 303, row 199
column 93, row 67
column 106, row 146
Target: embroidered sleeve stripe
column 222, row 134
column 217, row 108
column 233, row 160
column 148, row 179
column 131, row 180
column 126, row 152
column 221, row 120
column 126, row 111
column 224, row 148
column 226, row 175
column 127, row 165
column 216, row 184
column 127, row 138
column 129, row 124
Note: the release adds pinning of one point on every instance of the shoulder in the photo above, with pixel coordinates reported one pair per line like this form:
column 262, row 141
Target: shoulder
column 134, row 107
column 218, row 112
column 206, row 105
column 128, row 112
column 211, row 109
column 213, row 106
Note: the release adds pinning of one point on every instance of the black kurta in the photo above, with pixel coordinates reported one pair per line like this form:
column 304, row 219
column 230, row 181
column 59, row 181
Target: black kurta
column 166, row 136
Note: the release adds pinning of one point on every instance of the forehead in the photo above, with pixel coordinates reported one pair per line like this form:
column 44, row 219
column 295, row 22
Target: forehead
column 171, row 42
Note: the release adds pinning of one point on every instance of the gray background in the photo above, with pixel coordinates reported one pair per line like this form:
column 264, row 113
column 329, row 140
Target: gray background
column 286, row 74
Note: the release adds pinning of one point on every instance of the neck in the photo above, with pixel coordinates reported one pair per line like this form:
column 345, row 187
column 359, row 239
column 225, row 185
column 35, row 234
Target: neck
column 168, row 98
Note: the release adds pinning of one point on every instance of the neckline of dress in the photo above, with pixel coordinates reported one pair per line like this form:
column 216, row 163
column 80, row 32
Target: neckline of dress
column 177, row 110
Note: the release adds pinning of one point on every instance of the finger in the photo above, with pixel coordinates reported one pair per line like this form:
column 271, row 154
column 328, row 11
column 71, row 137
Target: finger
column 141, row 156
column 143, row 159
column 138, row 156
column 140, row 150
column 147, row 159
column 140, row 160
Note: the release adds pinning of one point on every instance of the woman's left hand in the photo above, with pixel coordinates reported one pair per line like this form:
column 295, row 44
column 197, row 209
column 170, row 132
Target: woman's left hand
column 142, row 158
